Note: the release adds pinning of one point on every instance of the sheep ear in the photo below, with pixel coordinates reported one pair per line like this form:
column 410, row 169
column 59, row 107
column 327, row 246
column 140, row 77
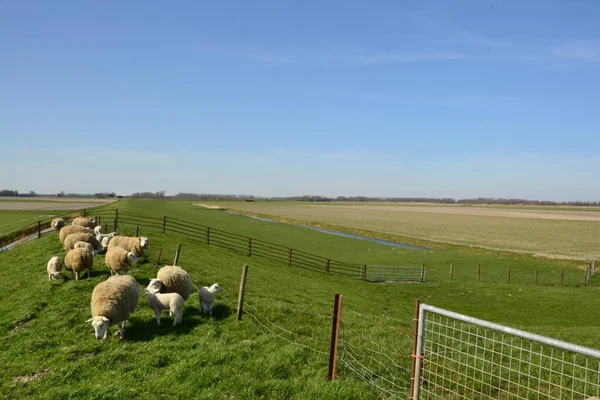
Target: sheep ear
column 89, row 320
column 105, row 319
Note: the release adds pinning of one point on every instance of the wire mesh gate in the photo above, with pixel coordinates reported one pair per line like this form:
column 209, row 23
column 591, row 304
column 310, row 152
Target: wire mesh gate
column 461, row 357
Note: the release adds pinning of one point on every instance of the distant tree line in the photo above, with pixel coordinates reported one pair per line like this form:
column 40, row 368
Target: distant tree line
column 149, row 195
column 210, row 196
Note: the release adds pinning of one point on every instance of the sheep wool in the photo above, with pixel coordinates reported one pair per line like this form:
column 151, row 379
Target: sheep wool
column 57, row 224
column 134, row 244
column 112, row 303
column 119, row 260
column 68, row 230
column 86, row 222
column 164, row 301
column 175, row 280
column 79, row 260
column 73, row 238
column 84, row 245
column 54, row 267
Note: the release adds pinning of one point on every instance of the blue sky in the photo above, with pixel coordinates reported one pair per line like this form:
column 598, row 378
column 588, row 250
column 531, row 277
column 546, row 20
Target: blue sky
column 382, row 98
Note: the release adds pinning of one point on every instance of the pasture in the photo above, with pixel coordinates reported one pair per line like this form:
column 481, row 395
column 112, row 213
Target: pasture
column 50, row 352
column 546, row 233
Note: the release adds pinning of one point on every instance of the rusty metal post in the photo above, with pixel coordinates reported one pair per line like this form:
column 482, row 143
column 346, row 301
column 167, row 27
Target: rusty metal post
column 337, row 308
column 414, row 358
column 240, row 307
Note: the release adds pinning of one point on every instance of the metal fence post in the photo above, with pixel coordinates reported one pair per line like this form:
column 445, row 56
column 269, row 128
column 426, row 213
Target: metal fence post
column 418, row 354
column 337, row 307
column 414, row 358
column 422, row 272
column 290, row 259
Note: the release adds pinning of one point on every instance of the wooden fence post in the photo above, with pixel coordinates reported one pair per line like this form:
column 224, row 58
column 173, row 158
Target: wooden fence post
column 84, row 214
column 177, row 254
column 537, row 270
column 207, row 235
column 39, row 229
column 451, row 272
column 585, row 276
column 562, row 276
column 290, row 259
column 478, row 272
column 98, row 221
column 137, row 231
column 158, row 259
column 116, row 221
column 508, row 277
column 249, row 247
column 363, row 272
column 165, row 224
column 414, row 353
column 337, row 308
column 240, row 307
column 327, row 266
column 422, row 272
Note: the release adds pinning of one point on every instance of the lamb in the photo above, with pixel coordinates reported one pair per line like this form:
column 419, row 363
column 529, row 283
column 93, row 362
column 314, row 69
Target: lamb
column 101, row 239
column 67, row 230
column 98, row 230
column 85, row 222
column 112, row 302
column 73, row 238
column 119, row 260
column 84, row 245
column 206, row 298
column 133, row 244
column 78, row 260
column 175, row 280
column 54, row 267
column 57, row 224
column 164, row 301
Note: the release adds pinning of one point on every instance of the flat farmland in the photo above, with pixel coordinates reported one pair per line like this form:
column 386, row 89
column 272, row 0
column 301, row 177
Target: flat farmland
column 50, row 203
column 551, row 233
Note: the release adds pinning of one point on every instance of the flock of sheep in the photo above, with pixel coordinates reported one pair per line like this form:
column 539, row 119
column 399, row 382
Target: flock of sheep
column 117, row 297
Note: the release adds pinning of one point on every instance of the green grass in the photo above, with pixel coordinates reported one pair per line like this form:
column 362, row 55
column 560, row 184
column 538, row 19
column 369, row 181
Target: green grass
column 13, row 220
column 43, row 329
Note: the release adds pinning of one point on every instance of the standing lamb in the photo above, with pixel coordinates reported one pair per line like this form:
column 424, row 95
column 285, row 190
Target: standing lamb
column 112, row 302
column 206, row 298
column 78, row 260
column 135, row 244
column 98, row 230
column 164, row 301
column 119, row 260
column 68, row 230
column 175, row 280
column 73, row 238
column 86, row 222
column 54, row 267
column 57, row 224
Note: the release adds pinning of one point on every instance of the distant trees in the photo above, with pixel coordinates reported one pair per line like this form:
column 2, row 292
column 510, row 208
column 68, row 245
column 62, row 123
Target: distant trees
column 12, row 193
column 151, row 195
column 105, row 195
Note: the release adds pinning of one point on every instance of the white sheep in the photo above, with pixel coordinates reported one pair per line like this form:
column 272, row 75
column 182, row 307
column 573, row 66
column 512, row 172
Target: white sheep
column 54, row 267
column 98, row 230
column 164, row 301
column 119, row 260
column 175, row 280
column 57, row 224
column 79, row 260
column 135, row 244
column 104, row 239
column 206, row 298
column 84, row 245
column 82, row 221
column 112, row 302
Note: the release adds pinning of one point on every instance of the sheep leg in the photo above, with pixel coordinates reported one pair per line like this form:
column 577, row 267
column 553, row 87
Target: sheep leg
column 157, row 313
column 178, row 316
column 210, row 310
column 122, row 329
column 49, row 279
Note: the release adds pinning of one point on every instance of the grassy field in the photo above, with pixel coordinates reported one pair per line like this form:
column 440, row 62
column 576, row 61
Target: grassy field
column 562, row 234
column 50, row 352
column 13, row 220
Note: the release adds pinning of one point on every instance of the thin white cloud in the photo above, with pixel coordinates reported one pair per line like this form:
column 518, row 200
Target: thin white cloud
column 584, row 51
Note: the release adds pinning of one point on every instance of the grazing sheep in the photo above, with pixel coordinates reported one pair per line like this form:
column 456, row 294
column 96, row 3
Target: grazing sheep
column 164, row 301
column 137, row 245
column 119, row 260
column 98, row 230
column 86, row 222
column 84, row 245
column 68, row 230
column 206, row 298
column 78, row 260
column 54, row 267
column 175, row 280
column 73, row 238
column 57, row 224
column 112, row 302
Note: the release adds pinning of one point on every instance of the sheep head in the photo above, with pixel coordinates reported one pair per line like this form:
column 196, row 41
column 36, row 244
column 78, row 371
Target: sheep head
column 132, row 258
column 101, row 325
column 215, row 288
column 154, row 286
column 144, row 242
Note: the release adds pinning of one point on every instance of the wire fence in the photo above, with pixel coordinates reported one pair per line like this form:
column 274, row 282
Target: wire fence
column 461, row 357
